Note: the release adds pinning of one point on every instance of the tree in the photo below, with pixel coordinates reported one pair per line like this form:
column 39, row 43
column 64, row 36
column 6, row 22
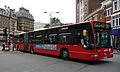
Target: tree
column 55, row 21
column 46, row 25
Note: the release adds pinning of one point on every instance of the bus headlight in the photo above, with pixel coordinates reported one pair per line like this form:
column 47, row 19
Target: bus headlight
column 94, row 55
column 109, row 50
column 111, row 53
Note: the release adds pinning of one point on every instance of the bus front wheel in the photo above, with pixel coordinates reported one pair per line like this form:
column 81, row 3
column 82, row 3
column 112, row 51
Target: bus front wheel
column 64, row 54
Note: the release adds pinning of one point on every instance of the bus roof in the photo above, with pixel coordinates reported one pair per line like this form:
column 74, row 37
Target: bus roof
column 21, row 33
column 40, row 29
column 63, row 25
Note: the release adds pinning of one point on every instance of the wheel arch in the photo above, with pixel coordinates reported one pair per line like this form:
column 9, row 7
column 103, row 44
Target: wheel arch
column 61, row 52
column 64, row 48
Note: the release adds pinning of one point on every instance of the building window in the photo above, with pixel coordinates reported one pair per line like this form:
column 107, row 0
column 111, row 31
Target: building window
column 116, row 20
column 119, row 4
column 80, row 18
column 108, row 12
column 119, row 20
column 81, row 3
column 95, row 17
column 115, row 5
column 81, row 11
column 77, row 1
column 113, row 21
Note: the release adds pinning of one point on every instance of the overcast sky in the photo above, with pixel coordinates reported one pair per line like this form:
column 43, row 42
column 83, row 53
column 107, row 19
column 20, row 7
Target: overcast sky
column 66, row 9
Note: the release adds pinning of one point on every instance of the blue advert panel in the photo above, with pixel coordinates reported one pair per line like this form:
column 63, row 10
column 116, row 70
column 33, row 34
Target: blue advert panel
column 46, row 46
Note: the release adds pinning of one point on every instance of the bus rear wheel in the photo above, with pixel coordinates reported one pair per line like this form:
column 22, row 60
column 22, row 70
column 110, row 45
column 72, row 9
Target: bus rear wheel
column 64, row 54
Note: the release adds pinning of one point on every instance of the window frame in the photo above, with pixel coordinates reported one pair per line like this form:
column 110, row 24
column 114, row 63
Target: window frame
column 108, row 12
column 114, row 6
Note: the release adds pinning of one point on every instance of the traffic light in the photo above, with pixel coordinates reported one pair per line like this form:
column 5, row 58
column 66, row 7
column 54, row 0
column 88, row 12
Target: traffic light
column 5, row 31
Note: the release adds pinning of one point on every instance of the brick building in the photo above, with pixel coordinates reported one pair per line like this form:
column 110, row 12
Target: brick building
column 77, row 11
column 102, row 13
column 99, row 10
column 85, row 7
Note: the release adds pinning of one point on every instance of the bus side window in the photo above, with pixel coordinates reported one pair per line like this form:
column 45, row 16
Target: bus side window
column 64, row 39
column 53, row 38
column 47, row 41
column 78, row 38
column 40, row 40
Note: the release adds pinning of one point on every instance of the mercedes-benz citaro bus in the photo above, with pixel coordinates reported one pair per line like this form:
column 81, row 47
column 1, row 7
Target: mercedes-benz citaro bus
column 86, row 41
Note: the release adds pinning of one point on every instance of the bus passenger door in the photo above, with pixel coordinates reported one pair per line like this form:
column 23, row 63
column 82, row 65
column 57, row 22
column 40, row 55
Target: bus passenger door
column 26, row 42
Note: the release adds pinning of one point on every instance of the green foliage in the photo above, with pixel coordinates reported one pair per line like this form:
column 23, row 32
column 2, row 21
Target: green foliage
column 46, row 25
column 55, row 21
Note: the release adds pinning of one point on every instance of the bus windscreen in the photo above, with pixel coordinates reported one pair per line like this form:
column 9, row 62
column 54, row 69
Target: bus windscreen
column 102, row 34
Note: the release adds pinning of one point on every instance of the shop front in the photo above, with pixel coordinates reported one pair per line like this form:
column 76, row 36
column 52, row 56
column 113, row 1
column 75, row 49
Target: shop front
column 116, row 38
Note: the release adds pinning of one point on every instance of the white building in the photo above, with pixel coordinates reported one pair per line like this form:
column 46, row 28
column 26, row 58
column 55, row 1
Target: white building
column 115, row 23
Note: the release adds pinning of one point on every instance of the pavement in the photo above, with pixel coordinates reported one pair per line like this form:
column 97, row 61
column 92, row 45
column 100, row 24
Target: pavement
column 1, row 48
column 116, row 52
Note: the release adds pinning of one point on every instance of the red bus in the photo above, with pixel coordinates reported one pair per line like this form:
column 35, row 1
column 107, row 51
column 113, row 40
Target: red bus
column 87, row 41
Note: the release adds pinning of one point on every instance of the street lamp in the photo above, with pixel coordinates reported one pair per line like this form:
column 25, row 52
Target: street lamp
column 9, row 15
column 11, row 26
column 50, row 14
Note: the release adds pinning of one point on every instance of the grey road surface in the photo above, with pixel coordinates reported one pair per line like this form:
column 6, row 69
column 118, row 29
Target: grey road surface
column 25, row 62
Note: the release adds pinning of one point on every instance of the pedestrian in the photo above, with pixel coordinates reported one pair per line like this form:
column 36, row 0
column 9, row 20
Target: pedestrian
column 11, row 46
column 3, row 46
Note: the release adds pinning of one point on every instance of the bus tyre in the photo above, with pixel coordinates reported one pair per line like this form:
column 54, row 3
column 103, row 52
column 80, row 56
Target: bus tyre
column 31, row 50
column 64, row 54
